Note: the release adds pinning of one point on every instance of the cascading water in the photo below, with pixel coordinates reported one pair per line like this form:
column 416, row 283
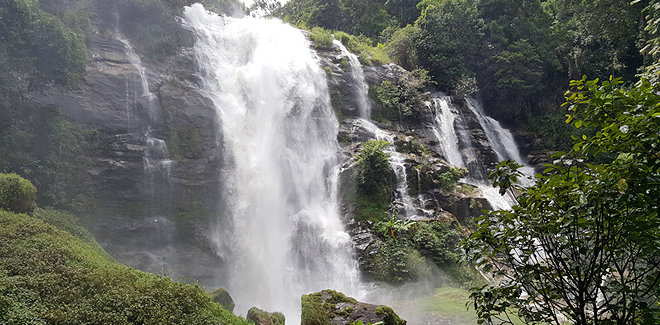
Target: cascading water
column 156, row 160
column 448, row 121
column 500, row 139
column 396, row 160
column 364, row 108
column 277, row 131
column 454, row 136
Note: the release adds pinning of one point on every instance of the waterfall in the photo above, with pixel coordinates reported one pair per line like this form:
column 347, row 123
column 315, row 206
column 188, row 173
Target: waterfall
column 453, row 135
column 147, row 98
column 396, row 161
column 280, row 229
column 156, row 161
column 500, row 139
column 364, row 108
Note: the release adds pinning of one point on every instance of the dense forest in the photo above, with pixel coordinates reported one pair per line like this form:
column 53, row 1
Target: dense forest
column 518, row 56
column 581, row 75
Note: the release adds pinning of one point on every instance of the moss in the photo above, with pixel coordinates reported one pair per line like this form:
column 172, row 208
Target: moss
column 185, row 143
column 335, row 101
column 313, row 310
column 328, row 71
column 391, row 318
column 260, row 317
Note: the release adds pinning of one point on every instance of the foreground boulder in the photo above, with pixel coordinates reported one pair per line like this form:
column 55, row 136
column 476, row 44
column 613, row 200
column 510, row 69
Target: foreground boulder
column 330, row 307
column 260, row 317
column 222, row 297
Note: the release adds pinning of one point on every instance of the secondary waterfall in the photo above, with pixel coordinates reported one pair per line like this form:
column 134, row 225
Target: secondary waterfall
column 451, row 131
column 500, row 139
column 364, row 108
column 156, row 161
column 280, row 233
column 396, row 161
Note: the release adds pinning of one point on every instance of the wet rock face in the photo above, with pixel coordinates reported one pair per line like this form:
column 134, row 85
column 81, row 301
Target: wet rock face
column 153, row 206
column 331, row 307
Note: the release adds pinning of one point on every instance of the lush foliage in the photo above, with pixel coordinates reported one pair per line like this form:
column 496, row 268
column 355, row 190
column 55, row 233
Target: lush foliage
column 37, row 48
column 47, row 276
column 17, row 194
column 407, row 251
column 404, row 99
column 375, row 179
column 583, row 240
column 42, row 146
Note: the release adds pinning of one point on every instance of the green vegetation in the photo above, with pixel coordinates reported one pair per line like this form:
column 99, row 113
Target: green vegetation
column 391, row 318
column 518, row 55
column 48, row 276
column 315, row 311
column 185, row 143
column 17, row 194
column 449, row 179
column 37, row 49
column 52, row 271
column 404, row 99
column 407, row 251
column 261, row 317
column 222, row 297
column 322, row 38
column 583, row 239
column 42, row 146
column 375, row 179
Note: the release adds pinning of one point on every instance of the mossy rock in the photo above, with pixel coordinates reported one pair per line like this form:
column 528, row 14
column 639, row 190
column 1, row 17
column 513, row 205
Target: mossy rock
column 331, row 307
column 260, row 317
column 222, row 297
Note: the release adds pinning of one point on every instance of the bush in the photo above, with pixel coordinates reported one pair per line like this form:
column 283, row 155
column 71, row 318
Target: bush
column 322, row 38
column 403, row 99
column 47, row 276
column 261, row 317
column 375, row 175
column 17, row 194
column 449, row 179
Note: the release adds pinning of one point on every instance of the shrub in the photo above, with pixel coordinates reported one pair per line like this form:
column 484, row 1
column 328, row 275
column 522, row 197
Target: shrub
column 48, row 276
column 449, row 179
column 391, row 318
column 403, row 99
column 261, row 317
column 322, row 38
column 17, row 194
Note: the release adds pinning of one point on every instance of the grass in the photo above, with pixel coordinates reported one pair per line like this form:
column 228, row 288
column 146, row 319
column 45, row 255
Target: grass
column 451, row 302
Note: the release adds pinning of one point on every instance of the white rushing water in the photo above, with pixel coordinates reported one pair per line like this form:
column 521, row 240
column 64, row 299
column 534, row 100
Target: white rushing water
column 362, row 89
column 449, row 129
column 501, row 140
column 277, row 131
column 454, row 136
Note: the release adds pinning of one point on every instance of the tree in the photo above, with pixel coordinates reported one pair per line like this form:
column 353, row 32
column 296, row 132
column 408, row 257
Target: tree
column 449, row 41
column 583, row 241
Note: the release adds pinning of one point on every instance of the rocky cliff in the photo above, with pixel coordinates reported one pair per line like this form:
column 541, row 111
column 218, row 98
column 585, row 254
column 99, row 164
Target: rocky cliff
column 154, row 161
